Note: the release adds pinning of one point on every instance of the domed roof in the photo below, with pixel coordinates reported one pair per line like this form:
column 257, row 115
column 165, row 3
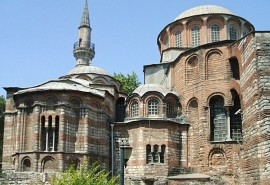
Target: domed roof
column 84, row 69
column 142, row 89
column 201, row 10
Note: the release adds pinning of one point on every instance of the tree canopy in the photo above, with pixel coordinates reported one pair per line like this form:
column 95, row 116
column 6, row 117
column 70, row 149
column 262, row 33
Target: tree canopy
column 86, row 175
column 128, row 82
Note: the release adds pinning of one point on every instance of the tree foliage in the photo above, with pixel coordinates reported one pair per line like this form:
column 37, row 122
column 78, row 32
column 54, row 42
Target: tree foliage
column 128, row 82
column 86, row 175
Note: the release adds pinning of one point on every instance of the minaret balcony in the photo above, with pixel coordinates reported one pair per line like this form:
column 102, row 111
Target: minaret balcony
column 84, row 45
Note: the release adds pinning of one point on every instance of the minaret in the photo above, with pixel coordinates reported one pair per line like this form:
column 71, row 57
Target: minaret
column 84, row 50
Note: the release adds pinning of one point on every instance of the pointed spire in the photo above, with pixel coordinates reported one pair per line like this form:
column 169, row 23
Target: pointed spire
column 85, row 22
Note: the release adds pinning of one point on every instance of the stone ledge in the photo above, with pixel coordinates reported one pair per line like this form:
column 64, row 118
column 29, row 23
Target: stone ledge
column 193, row 176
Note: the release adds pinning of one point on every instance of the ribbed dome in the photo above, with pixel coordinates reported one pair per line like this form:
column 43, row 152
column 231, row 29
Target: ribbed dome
column 88, row 70
column 142, row 89
column 201, row 10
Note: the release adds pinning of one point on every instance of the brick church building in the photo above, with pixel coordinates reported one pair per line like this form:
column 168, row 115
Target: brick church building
column 203, row 113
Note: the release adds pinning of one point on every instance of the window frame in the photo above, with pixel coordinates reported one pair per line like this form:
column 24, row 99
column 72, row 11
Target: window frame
column 178, row 39
column 215, row 33
column 195, row 36
column 153, row 107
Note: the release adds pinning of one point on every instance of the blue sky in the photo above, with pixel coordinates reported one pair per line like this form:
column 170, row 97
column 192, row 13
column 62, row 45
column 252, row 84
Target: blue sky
column 37, row 36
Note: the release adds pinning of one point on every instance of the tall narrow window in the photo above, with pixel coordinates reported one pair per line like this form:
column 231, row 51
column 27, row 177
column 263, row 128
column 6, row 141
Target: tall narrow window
column 43, row 134
column 155, row 154
column 170, row 110
column 50, row 134
column 215, row 35
column 195, row 36
column 162, row 153
column 120, row 109
column 56, row 130
column 233, row 33
column 148, row 154
column 134, row 109
column 236, row 119
column 153, row 107
column 177, row 39
column 217, row 119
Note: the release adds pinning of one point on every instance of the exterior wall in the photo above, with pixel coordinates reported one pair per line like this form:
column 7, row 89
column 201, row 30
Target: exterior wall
column 153, row 132
column 81, row 135
column 198, row 76
column 253, row 52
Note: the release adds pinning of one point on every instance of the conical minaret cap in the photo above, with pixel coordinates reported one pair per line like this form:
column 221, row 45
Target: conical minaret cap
column 85, row 22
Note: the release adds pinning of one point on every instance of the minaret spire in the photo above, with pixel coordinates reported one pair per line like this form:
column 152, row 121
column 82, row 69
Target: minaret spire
column 85, row 22
column 84, row 50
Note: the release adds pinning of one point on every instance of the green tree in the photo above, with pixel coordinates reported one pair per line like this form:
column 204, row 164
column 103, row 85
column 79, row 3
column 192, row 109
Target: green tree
column 2, row 116
column 128, row 82
column 86, row 175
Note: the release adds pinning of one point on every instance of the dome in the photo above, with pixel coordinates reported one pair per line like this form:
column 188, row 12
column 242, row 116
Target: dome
column 142, row 89
column 88, row 70
column 201, row 10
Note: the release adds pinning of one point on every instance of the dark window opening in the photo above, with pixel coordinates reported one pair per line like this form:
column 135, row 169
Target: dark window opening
column 234, row 68
column 120, row 110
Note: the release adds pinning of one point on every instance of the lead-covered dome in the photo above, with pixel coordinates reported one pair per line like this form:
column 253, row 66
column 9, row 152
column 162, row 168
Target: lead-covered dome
column 83, row 69
column 201, row 10
column 142, row 89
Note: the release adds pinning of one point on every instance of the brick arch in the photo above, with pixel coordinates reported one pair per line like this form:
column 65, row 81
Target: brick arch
column 217, row 159
column 235, row 85
column 159, row 101
column 26, row 163
column 74, row 161
column 192, row 69
column 214, row 65
column 49, row 164
column 216, row 94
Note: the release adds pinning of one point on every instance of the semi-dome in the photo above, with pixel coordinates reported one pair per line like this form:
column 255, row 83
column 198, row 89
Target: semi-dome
column 83, row 69
column 201, row 10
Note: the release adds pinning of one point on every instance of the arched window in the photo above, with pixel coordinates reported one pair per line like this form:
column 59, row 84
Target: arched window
column 26, row 164
column 215, row 35
column 195, row 36
column 134, row 109
column 162, row 153
column 43, row 134
column 56, row 130
column 153, row 107
column 148, row 154
column 177, row 39
column 233, row 33
column 50, row 134
column 155, row 154
column 217, row 119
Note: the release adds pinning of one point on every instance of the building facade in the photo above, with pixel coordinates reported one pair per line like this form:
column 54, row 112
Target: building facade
column 202, row 114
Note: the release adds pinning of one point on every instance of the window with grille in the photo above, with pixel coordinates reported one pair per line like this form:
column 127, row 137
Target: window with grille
column 156, row 155
column 233, row 33
column 148, row 154
column 236, row 119
column 170, row 110
column 217, row 119
column 215, row 35
column 195, row 36
column 178, row 39
column 153, row 107
column 134, row 109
